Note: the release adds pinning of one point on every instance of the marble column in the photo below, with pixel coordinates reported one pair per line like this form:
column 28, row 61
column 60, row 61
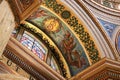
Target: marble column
column 7, row 24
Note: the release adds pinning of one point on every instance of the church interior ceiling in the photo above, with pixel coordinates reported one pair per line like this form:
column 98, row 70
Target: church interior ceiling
column 67, row 32
column 61, row 38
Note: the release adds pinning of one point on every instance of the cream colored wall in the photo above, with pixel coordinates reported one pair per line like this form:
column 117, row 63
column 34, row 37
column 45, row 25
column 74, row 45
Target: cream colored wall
column 7, row 24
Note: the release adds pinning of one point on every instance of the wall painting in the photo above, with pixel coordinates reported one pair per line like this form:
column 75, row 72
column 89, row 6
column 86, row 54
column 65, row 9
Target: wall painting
column 63, row 37
column 109, row 27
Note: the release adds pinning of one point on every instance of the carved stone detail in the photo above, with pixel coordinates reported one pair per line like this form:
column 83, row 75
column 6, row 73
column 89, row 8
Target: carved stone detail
column 25, row 3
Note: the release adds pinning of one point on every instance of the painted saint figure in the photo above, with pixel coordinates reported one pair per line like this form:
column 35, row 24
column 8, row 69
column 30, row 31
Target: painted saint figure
column 68, row 45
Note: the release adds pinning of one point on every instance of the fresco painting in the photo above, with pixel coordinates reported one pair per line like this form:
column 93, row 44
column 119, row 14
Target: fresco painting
column 63, row 37
column 109, row 27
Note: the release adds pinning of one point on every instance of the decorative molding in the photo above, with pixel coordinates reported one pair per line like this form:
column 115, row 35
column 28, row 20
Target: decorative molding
column 104, row 69
column 102, row 12
column 9, row 54
column 24, row 4
column 31, row 61
column 23, row 8
column 104, row 75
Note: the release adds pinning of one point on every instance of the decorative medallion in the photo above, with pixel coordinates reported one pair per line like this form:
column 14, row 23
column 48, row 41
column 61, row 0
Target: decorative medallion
column 65, row 14
column 52, row 24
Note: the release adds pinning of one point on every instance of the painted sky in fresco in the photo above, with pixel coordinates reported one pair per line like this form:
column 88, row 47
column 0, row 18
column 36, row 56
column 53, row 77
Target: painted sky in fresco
column 63, row 38
column 109, row 27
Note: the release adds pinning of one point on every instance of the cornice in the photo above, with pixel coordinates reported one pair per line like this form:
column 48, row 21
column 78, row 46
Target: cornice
column 102, row 12
column 102, row 8
column 103, row 66
column 31, row 63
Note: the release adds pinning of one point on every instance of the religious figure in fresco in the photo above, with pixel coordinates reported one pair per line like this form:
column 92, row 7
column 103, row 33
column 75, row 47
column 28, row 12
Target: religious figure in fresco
column 68, row 47
column 38, row 14
column 52, row 24
column 77, row 60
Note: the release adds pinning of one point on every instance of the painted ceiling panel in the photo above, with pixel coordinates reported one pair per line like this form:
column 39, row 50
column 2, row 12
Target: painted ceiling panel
column 64, row 38
column 108, row 27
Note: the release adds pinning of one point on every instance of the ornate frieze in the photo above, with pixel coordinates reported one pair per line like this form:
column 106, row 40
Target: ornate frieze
column 105, row 69
column 18, row 65
column 106, row 75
